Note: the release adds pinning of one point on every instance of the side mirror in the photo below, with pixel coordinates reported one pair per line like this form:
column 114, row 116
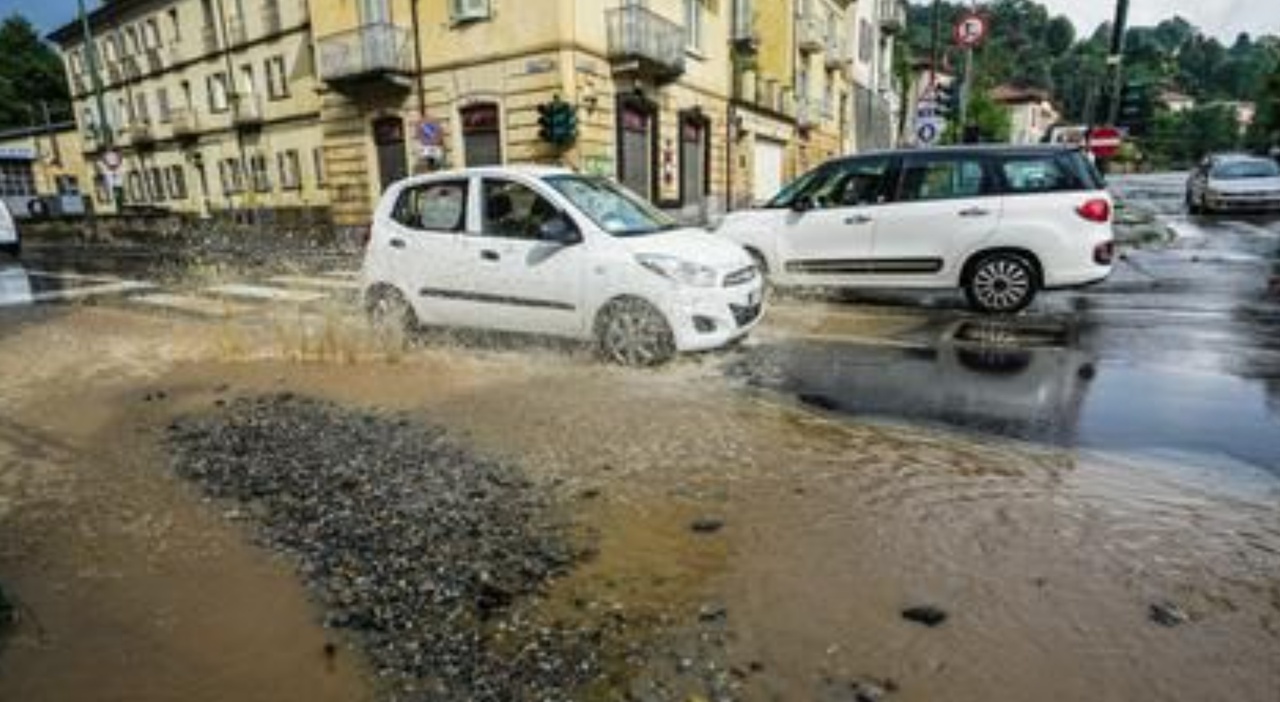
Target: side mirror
column 803, row 203
column 559, row 230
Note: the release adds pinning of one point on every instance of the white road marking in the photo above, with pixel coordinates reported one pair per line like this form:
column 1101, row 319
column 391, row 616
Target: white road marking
column 264, row 293
column 300, row 281
column 349, row 275
column 123, row 286
column 75, row 276
column 192, row 304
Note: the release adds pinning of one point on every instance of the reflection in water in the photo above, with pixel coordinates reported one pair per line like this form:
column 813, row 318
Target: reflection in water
column 1058, row 396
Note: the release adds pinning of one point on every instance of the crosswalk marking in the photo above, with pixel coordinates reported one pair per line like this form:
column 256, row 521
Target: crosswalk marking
column 265, row 293
column 194, row 304
column 327, row 283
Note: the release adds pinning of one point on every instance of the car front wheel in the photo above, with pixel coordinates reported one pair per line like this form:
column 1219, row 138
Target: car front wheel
column 632, row 332
column 1001, row 283
column 390, row 314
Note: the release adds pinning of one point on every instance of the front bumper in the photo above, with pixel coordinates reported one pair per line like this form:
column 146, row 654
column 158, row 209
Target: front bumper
column 1243, row 203
column 707, row 318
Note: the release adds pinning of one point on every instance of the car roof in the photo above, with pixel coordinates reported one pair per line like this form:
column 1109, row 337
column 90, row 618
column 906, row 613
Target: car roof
column 1236, row 158
column 528, row 170
column 967, row 150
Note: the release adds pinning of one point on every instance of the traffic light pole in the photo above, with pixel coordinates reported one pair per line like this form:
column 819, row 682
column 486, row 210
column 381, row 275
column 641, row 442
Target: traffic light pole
column 1116, row 60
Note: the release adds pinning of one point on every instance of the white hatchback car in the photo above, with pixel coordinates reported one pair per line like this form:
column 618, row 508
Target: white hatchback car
column 9, row 241
column 999, row 222
column 547, row 251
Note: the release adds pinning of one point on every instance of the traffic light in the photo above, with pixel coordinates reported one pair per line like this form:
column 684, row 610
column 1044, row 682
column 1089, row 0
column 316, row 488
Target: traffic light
column 1137, row 107
column 557, row 122
column 948, row 100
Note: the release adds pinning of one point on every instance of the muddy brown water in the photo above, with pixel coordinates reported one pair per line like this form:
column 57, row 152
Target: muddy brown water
column 1046, row 560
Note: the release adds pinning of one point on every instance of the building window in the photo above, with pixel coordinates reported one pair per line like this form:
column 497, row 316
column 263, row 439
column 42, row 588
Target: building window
column 866, row 41
column 481, row 135
column 469, row 10
column 177, row 181
column 231, row 173
column 163, row 106
column 317, row 162
column 693, row 25
column 141, row 114
column 277, row 79
column 151, row 34
column 261, row 176
column 17, row 179
column 175, row 27
column 290, row 168
column 137, row 189
column 155, row 182
column 218, row 92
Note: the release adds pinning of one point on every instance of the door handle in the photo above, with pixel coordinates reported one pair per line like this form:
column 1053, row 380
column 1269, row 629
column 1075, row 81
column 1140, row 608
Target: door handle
column 857, row 219
column 397, row 243
column 974, row 212
column 489, row 255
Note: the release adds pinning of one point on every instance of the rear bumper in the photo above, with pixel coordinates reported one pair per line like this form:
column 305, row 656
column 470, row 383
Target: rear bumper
column 1242, row 204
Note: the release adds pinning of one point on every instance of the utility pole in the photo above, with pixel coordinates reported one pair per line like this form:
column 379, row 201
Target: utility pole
column 1116, row 60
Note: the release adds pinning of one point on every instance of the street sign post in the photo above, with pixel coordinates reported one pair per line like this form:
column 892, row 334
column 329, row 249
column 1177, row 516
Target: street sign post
column 112, row 160
column 1105, row 142
column 970, row 30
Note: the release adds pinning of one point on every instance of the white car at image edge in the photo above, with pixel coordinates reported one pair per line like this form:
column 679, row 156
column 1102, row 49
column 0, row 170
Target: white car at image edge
column 546, row 251
column 999, row 222
column 9, row 241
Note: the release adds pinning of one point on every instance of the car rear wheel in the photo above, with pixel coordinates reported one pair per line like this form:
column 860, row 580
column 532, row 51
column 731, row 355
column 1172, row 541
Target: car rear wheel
column 632, row 332
column 1001, row 283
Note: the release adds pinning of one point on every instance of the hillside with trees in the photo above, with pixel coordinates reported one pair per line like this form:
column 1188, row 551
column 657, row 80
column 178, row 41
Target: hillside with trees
column 1031, row 47
column 31, row 77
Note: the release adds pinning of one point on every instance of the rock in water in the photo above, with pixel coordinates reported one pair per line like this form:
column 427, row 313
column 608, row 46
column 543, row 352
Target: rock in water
column 927, row 615
column 1167, row 614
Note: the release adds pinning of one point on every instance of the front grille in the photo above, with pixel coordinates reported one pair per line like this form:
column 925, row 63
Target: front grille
column 745, row 314
column 741, row 276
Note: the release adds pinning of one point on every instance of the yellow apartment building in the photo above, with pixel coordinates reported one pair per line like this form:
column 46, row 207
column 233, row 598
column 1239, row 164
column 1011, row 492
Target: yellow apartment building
column 213, row 106
column 41, row 170
column 207, row 106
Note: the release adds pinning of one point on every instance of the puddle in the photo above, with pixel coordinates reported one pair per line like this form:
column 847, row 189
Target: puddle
column 1059, row 396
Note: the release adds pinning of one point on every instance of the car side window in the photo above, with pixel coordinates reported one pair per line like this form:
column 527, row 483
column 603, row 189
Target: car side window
column 1036, row 174
column 944, row 177
column 854, row 183
column 513, row 211
column 435, row 207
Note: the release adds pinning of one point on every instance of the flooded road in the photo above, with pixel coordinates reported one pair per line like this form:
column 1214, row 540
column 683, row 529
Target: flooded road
column 1087, row 496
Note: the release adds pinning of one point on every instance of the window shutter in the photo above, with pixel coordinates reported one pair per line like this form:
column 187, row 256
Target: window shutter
column 469, row 10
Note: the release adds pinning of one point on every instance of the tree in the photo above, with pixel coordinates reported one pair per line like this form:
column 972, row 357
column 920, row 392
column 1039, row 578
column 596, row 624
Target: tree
column 1183, row 138
column 30, row 74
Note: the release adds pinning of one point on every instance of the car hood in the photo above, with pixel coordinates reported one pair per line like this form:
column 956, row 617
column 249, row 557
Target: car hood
column 693, row 245
column 1245, row 185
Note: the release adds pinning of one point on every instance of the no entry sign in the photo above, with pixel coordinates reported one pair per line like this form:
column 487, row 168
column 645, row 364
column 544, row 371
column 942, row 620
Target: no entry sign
column 1105, row 142
column 970, row 30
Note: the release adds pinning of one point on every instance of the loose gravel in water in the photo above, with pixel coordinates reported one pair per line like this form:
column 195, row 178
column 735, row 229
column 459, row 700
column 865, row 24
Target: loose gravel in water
column 426, row 552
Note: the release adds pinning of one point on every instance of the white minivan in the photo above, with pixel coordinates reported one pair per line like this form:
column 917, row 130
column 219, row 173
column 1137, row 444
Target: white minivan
column 551, row 252
column 9, row 241
column 999, row 222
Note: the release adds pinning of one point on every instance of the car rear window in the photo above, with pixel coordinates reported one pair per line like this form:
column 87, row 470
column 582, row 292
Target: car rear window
column 1048, row 173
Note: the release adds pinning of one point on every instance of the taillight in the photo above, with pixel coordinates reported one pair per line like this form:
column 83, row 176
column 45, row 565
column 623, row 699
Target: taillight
column 1097, row 210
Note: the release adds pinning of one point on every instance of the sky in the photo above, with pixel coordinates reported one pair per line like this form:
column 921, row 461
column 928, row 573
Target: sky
column 1221, row 18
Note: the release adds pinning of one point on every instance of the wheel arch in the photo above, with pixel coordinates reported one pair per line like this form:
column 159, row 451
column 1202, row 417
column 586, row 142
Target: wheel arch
column 971, row 262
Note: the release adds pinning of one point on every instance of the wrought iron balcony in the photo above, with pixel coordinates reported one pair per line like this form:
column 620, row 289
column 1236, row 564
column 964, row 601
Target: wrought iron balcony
column 644, row 42
column 139, row 133
column 155, row 62
column 893, row 16
column 380, row 50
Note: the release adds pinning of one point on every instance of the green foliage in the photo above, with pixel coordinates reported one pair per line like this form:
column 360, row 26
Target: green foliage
column 30, row 73
column 1181, row 139
column 1264, row 133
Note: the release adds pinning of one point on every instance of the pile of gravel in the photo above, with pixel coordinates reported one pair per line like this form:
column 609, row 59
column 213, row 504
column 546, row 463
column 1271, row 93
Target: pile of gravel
column 429, row 554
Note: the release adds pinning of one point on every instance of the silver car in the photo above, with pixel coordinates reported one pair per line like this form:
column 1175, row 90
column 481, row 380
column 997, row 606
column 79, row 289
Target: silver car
column 1234, row 183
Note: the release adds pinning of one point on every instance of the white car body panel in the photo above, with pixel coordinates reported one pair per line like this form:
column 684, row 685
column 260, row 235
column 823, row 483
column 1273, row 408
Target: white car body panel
column 8, row 227
column 539, row 287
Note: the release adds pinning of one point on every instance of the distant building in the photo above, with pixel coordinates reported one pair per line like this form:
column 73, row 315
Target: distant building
column 1031, row 112
column 877, row 104
column 1176, row 102
column 41, row 170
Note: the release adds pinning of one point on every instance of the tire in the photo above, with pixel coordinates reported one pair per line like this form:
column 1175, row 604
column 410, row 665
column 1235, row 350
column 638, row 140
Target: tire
column 632, row 332
column 1001, row 283
column 390, row 315
column 1192, row 207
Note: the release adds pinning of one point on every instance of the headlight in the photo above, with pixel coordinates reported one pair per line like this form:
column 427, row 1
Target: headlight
column 679, row 270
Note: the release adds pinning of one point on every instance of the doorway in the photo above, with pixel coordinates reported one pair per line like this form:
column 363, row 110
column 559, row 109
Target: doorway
column 393, row 161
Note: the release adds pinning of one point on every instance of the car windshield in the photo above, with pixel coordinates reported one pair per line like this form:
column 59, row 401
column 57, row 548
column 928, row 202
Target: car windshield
column 612, row 207
column 1241, row 170
column 798, row 187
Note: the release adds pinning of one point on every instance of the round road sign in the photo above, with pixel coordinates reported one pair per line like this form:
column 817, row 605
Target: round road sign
column 1105, row 142
column 112, row 160
column 928, row 132
column 971, row 30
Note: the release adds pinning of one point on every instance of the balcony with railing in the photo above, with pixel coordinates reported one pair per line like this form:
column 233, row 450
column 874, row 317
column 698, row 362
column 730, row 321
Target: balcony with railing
column 838, row 53
column 246, row 111
column 139, row 133
column 646, row 43
column 746, row 39
column 184, row 122
column 893, row 16
column 811, row 32
column 380, row 50
column 155, row 60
